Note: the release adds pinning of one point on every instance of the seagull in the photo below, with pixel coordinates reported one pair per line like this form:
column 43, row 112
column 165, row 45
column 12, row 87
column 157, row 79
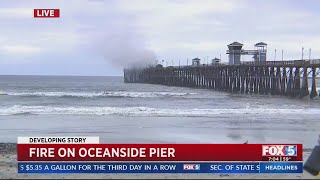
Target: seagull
column 247, row 141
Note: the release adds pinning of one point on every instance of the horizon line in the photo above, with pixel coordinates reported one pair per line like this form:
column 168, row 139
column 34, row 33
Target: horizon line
column 61, row 75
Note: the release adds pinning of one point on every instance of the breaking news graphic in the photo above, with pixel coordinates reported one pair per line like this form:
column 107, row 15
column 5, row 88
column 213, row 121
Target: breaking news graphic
column 87, row 155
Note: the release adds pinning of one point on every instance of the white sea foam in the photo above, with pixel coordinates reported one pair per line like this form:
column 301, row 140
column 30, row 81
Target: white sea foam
column 98, row 94
column 145, row 111
column 3, row 93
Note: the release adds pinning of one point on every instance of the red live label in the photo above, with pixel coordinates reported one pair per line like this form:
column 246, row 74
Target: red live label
column 46, row 13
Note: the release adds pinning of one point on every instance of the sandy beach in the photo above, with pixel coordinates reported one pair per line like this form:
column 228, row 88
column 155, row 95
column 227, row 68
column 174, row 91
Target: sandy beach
column 8, row 170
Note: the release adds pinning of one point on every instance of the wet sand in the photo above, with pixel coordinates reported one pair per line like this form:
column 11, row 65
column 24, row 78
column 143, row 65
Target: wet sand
column 8, row 170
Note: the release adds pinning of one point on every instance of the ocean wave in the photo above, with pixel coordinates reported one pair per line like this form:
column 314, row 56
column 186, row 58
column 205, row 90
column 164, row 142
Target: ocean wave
column 3, row 93
column 97, row 94
column 144, row 111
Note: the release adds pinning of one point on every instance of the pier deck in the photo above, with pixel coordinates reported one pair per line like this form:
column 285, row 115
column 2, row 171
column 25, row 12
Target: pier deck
column 286, row 78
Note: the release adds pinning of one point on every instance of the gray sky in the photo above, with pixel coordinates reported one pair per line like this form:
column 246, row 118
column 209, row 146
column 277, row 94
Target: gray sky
column 98, row 37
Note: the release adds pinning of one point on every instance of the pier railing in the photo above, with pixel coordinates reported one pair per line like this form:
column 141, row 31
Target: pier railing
column 277, row 63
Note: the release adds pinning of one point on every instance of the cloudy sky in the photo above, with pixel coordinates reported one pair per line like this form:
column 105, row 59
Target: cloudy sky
column 99, row 37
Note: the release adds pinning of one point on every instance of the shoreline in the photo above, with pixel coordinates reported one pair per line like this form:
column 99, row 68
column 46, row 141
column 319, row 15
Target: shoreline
column 8, row 170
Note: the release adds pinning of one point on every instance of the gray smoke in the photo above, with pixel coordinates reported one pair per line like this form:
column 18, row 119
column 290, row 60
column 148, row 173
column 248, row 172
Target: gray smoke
column 122, row 42
column 124, row 48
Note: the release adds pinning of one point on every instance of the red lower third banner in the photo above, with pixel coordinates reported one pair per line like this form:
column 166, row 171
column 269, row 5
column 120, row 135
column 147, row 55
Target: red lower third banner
column 159, row 152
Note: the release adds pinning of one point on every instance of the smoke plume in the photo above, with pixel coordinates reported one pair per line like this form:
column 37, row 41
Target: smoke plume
column 124, row 48
column 122, row 42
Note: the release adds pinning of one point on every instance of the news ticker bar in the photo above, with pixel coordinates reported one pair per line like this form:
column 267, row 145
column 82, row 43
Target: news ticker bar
column 159, row 152
column 161, row 167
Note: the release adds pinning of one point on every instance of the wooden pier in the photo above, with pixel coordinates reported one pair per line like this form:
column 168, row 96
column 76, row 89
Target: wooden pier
column 286, row 78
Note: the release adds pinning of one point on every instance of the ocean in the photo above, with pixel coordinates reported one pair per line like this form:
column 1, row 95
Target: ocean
column 143, row 113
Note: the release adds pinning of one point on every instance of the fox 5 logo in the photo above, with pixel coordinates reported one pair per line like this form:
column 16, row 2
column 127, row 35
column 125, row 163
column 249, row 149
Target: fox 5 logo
column 191, row 167
column 279, row 150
